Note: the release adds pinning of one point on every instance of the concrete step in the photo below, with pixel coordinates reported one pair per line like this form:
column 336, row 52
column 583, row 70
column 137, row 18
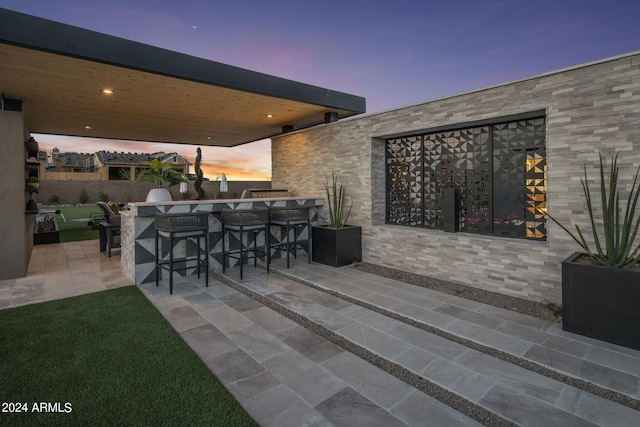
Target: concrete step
column 485, row 362
column 540, row 345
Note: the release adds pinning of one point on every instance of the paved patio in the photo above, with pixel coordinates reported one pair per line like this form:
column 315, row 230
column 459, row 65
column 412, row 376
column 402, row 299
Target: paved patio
column 63, row 270
column 314, row 345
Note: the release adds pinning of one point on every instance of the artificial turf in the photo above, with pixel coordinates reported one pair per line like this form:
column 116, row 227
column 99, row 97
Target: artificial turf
column 107, row 358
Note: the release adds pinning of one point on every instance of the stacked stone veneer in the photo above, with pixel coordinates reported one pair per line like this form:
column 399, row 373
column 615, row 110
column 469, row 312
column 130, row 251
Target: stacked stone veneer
column 588, row 108
column 138, row 234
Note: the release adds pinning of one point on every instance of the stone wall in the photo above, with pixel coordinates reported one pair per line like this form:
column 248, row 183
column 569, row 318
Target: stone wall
column 588, row 108
column 69, row 191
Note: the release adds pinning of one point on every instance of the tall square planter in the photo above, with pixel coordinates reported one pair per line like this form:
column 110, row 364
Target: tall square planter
column 601, row 302
column 336, row 247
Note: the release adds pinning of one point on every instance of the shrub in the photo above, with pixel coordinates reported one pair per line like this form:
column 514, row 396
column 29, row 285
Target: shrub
column 84, row 197
column 54, row 200
column 104, row 197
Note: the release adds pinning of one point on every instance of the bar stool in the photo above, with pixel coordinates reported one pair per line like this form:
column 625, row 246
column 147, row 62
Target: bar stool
column 182, row 227
column 288, row 218
column 252, row 222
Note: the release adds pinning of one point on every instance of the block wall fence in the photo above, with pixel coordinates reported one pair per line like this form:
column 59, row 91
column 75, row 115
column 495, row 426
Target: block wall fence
column 69, row 191
column 589, row 108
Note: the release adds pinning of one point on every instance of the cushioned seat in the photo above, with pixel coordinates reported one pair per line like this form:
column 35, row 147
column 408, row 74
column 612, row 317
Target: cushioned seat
column 248, row 223
column 291, row 218
column 182, row 227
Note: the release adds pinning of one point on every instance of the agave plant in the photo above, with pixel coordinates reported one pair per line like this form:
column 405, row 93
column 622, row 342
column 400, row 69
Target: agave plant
column 338, row 212
column 619, row 231
column 46, row 224
column 161, row 174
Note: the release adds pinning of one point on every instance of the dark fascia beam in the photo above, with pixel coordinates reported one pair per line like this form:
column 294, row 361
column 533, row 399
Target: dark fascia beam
column 41, row 34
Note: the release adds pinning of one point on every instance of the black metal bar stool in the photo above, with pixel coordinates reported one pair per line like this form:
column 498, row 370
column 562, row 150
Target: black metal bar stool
column 252, row 222
column 182, row 227
column 288, row 218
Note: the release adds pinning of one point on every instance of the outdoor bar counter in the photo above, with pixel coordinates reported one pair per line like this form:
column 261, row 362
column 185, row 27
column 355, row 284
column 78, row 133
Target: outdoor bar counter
column 138, row 230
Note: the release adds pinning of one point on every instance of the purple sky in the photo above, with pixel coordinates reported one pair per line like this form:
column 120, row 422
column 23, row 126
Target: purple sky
column 393, row 53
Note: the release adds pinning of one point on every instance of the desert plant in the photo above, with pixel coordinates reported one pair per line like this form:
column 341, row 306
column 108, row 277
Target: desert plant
column 338, row 212
column 33, row 182
column 46, row 224
column 84, row 197
column 199, row 175
column 161, row 174
column 619, row 231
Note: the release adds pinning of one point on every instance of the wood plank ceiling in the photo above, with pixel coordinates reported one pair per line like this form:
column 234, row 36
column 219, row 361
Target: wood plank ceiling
column 61, row 94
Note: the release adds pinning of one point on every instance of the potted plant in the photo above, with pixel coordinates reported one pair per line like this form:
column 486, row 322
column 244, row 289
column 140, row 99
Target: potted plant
column 46, row 230
column 336, row 243
column 33, row 182
column 163, row 176
column 32, row 147
column 601, row 287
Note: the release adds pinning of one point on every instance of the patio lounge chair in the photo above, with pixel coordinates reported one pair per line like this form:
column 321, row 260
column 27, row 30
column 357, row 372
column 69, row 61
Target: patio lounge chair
column 109, row 227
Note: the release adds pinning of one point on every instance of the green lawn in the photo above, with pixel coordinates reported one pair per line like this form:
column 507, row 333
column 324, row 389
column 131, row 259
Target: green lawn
column 107, row 358
column 74, row 211
column 75, row 231
column 76, row 227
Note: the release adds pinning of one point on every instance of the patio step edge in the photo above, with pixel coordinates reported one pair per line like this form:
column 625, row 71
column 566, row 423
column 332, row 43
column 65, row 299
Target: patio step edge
column 547, row 371
column 450, row 398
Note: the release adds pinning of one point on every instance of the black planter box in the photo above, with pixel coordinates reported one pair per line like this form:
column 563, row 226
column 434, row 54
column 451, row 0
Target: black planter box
column 601, row 302
column 46, row 238
column 336, row 247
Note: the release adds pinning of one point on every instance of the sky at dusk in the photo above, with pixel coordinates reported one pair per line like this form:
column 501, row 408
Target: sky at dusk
column 394, row 53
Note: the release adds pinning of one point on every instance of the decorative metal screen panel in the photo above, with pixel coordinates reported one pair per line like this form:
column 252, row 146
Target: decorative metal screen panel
column 519, row 178
column 404, row 181
column 464, row 164
column 432, row 187
column 499, row 171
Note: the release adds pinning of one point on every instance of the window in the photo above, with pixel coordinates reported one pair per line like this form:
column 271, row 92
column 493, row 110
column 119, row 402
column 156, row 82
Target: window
column 117, row 173
column 498, row 170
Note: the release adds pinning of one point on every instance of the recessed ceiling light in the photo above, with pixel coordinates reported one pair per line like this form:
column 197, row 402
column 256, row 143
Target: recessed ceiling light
column 106, row 92
column 88, row 127
column 269, row 116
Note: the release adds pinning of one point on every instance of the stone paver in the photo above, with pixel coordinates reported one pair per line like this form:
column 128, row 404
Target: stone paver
column 479, row 377
column 284, row 374
column 532, row 339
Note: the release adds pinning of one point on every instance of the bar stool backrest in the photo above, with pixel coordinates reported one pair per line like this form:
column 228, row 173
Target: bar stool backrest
column 256, row 216
column 172, row 222
column 289, row 213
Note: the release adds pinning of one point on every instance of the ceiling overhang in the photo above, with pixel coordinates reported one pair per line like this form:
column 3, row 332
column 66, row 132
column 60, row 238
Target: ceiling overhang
column 58, row 72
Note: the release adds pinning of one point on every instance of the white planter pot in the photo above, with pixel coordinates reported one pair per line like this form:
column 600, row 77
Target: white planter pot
column 159, row 195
